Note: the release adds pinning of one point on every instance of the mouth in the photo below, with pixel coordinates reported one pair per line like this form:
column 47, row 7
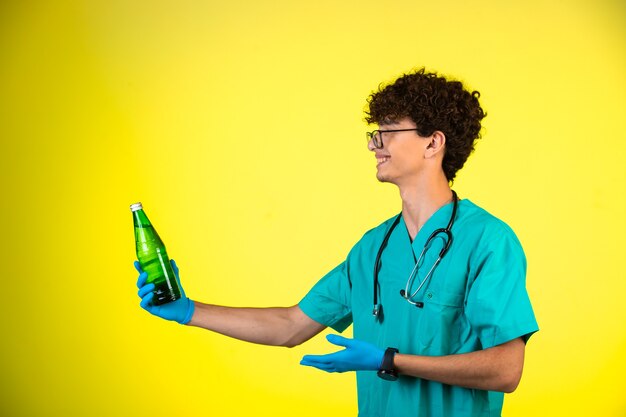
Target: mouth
column 381, row 160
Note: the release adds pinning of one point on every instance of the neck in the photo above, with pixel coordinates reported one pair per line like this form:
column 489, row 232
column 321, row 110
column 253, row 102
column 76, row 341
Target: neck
column 421, row 201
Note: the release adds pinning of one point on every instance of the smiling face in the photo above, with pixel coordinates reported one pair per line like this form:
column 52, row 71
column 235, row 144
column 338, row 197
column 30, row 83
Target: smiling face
column 406, row 156
column 434, row 103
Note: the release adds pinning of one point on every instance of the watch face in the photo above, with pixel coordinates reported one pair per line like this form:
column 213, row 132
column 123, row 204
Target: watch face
column 388, row 375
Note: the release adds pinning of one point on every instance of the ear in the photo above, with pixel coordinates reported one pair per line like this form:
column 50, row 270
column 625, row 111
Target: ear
column 436, row 145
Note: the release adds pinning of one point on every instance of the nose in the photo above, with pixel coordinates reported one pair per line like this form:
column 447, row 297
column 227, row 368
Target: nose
column 370, row 145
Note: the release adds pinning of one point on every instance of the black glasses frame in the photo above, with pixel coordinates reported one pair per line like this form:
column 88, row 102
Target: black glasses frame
column 376, row 136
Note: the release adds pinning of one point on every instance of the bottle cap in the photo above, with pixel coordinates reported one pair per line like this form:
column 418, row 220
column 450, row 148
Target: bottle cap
column 135, row 207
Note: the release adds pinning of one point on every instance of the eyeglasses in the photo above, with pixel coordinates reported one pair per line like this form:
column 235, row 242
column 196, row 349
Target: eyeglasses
column 376, row 136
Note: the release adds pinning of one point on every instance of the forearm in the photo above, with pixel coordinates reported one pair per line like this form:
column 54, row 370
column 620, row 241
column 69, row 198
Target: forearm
column 495, row 369
column 276, row 326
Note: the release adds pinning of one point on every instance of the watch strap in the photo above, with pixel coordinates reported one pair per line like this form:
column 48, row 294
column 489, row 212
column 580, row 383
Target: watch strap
column 387, row 370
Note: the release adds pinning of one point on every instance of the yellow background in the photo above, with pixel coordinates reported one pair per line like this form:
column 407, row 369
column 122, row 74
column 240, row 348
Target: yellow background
column 239, row 125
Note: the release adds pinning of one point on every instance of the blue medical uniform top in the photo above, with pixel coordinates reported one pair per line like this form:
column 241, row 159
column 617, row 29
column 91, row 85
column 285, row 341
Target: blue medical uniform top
column 475, row 299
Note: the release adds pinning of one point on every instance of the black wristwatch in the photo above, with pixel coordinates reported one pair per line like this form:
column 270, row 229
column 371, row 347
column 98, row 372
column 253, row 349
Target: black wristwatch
column 387, row 371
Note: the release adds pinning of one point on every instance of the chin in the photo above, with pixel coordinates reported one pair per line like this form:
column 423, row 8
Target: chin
column 382, row 178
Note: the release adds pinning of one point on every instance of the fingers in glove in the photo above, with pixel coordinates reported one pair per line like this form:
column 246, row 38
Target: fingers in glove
column 138, row 267
column 142, row 279
column 335, row 339
column 320, row 359
column 146, row 301
column 145, row 290
column 328, row 367
column 174, row 266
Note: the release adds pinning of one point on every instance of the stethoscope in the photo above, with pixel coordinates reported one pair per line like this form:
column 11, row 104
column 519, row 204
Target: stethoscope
column 378, row 308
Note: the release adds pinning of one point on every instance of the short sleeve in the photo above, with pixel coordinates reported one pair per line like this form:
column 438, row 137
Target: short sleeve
column 328, row 302
column 498, row 307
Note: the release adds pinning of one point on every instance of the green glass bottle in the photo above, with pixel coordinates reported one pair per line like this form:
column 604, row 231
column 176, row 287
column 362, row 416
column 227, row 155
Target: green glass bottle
column 153, row 258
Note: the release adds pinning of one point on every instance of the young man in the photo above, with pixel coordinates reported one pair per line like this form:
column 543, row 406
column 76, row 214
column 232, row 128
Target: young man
column 436, row 294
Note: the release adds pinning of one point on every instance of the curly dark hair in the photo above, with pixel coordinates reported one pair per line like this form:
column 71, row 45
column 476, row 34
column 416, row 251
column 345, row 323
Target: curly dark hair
column 433, row 103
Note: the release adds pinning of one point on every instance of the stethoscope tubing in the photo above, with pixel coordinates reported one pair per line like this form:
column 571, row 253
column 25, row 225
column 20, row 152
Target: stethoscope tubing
column 377, row 311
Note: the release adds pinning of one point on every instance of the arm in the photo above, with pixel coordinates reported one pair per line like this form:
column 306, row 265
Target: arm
column 495, row 369
column 277, row 326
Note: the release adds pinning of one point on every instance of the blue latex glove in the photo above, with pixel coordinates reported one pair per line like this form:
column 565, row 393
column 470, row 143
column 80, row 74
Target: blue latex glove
column 180, row 310
column 357, row 356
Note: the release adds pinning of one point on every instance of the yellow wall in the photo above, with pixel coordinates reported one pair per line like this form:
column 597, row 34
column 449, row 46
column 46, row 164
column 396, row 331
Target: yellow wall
column 239, row 126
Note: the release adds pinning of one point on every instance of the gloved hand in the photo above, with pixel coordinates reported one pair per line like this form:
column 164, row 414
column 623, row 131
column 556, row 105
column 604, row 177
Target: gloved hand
column 357, row 356
column 180, row 310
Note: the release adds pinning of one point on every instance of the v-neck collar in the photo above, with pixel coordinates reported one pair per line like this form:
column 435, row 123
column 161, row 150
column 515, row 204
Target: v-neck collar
column 439, row 219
